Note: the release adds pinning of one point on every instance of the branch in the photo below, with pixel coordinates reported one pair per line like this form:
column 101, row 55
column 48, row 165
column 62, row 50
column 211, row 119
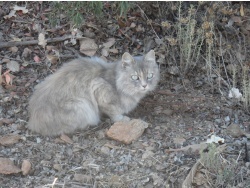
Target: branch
column 32, row 42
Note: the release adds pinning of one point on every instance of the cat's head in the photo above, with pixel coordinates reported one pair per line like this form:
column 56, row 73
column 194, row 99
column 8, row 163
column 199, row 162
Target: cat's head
column 137, row 74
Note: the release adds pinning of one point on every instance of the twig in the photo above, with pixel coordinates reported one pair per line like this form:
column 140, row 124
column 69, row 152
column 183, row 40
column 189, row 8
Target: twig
column 223, row 62
column 54, row 183
column 10, row 58
column 148, row 20
column 246, row 153
column 238, row 156
column 32, row 42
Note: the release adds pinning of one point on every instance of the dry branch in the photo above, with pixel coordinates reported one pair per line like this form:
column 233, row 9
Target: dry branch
column 32, row 42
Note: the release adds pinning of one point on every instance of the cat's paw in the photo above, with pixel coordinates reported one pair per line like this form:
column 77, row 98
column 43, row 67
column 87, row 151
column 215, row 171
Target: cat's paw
column 120, row 118
column 125, row 118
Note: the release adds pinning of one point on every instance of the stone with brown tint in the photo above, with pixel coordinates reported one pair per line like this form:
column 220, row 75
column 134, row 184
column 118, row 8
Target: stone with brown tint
column 126, row 132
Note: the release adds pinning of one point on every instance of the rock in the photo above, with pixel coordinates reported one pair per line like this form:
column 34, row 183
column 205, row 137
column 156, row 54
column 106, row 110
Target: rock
column 7, row 166
column 147, row 154
column 57, row 167
column 9, row 140
column 26, row 167
column 83, row 178
column 105, row 150
column 126, row 132
column 167, row 112
column 234, row 130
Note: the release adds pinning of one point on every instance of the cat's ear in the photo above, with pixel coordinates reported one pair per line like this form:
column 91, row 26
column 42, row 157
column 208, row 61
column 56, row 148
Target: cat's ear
column 127, row 60
column 150, row 56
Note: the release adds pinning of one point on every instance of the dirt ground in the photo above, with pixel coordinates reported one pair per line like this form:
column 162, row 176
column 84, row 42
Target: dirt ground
column 181, row 112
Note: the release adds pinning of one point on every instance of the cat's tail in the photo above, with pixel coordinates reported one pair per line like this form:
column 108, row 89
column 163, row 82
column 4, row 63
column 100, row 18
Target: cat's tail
column 52, row 120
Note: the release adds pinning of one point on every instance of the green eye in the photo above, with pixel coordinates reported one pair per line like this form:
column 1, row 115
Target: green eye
column 150, row 75
column 135, row 77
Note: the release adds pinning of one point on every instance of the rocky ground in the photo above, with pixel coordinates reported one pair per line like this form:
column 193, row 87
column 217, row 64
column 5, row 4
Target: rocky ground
column 182, row 113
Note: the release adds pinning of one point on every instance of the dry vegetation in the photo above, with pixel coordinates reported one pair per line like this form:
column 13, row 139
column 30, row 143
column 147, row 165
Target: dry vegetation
column 203, row 51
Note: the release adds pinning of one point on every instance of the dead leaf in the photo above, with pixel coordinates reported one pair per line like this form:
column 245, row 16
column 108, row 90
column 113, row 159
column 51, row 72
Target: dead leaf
column 1, row 78
column 52, row 59
column 11, row 14
column 121, row 23
column 179, row 140
column 59, row 141
column 9, row 140
column 111, row 42
column 13, row 66
column 7, row 166
column 13, row 49
column 16, row 39
column 200, row 179
column 242, row 10
column 8, row 79
column 105, row 52
column 88, row 46
column 5, row 60
column 41, row 40
column 194, row 148
column 50, row 48
column 66, row 139
column 88, row 33
column 26, row 167
column 159, row 41
column 83, row 178
column 23, row 9
column 6, row 121
column 189, row 179
column 37, row 59
column 26, row 52
column 114, row 51
column 237, row 19
column 139, row 28
column 132, row 25
column 10, row 87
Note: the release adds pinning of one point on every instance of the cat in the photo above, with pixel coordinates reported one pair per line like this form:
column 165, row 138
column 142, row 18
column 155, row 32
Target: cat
column 79, row 92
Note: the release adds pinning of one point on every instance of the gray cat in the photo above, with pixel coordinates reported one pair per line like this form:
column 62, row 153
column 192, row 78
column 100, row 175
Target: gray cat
column 82, row 90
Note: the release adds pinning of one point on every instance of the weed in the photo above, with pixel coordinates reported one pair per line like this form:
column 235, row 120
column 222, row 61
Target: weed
column 76, row 10
column 190, row 39
column 123, row 7
column 223, row 173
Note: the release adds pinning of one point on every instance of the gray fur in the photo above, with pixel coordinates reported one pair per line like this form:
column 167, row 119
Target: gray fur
column 82, row 90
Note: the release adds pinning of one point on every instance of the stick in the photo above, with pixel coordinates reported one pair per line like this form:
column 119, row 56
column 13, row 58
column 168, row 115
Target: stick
column 32, row 42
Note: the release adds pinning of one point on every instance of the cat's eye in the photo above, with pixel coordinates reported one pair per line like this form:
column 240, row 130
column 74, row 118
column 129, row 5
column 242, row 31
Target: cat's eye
column 150, row 75
column 135, row 77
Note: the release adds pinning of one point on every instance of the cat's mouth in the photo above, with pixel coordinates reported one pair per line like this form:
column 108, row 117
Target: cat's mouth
column 144, row 88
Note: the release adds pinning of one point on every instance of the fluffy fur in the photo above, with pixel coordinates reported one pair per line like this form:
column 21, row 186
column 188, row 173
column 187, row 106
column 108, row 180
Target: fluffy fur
column 82, row 90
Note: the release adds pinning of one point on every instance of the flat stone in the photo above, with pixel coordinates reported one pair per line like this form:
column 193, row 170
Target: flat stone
column 127, row 131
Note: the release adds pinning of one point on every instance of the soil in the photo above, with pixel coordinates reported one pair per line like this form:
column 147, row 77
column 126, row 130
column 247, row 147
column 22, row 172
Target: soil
column 180, row 112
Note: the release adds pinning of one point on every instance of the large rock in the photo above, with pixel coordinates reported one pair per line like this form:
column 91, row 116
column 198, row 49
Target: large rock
column 127, row 131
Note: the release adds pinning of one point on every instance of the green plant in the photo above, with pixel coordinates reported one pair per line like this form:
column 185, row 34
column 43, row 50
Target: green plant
column 222, row 172
column 123, row 7
column 69, row 11
column 75, row 11
column 190, row 39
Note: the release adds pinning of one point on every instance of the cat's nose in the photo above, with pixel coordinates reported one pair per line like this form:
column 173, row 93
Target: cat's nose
column 144, row 86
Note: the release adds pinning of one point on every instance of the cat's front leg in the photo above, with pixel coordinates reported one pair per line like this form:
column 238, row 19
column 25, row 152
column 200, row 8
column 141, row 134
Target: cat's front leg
column 120, row 118
column 108, row 100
